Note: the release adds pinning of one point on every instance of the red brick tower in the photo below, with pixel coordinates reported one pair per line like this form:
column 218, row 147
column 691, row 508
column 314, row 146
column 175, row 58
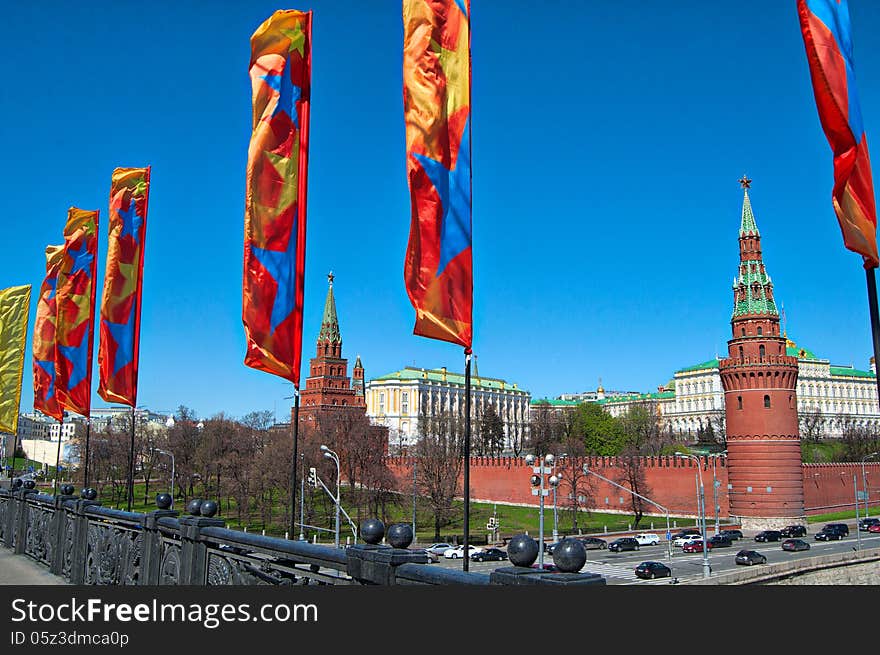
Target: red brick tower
column 328, row 386
column 764, row 450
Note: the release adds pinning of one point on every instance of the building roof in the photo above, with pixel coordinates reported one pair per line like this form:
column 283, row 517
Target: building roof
column 555, row 402
column 437, row 375
column 658, row 395
column 850, row 372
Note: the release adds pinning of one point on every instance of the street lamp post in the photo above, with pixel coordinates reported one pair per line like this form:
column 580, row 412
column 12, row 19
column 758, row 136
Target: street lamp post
column 414, row 498
column 562, row 456
column 715, row 490
column 701, row 498
column 865, row 480
column 329, row 454
column 171, row 455
column 537, row 480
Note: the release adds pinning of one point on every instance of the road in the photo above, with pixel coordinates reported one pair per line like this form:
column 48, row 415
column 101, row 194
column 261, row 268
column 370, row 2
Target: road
column 618, row 568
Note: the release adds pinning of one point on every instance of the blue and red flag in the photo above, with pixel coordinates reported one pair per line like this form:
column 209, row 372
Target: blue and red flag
column 119, row 348
column 43, row 348
column 275, row 198
column 825, row 25
column 75, row 311
column 438, row 270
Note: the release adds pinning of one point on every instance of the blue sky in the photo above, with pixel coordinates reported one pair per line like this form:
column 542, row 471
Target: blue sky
column 608, row 138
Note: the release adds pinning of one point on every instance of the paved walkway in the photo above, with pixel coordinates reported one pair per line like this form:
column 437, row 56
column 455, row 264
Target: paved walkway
column 22, row 570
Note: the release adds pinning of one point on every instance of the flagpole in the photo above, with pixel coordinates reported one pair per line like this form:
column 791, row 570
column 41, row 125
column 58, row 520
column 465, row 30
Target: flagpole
column 131, row 463
column 58, row 452
column 293, row 463
column 467, row 458
column 86, row 468
column 875, row 321
column 14, row 451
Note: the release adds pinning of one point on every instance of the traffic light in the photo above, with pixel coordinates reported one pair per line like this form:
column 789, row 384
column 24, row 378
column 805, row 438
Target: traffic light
column 313, row 476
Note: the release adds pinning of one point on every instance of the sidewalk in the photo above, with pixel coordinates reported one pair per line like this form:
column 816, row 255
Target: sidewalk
column 22, row 570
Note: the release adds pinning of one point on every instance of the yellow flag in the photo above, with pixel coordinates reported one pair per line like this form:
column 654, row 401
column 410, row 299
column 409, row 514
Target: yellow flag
column 15, row 305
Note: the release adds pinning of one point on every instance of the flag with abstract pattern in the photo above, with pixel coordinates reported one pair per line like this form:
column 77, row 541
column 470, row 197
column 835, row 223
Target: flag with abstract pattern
column 43, row 347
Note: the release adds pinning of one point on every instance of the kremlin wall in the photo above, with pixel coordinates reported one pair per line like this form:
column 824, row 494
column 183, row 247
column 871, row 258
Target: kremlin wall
column 670, row 482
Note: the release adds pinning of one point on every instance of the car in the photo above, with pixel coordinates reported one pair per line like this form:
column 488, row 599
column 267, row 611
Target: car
column 647, row 539
column 651, row 570
column 593, row 543
column 749, row 557
column 458, row 552
column 695, row 546
column 768, row 535
column 552, row 547
column 439, row 549
column 794, row 545
column 686, row 532
column 829, row 534
column 547, row 567
column 733, row 535
column 864, row 524
column 790, row 531
column 681, row 541
column 623, row 543
column 874, row 528
column 432, row 557
column 842, row 527
column 719, row 541
column 489, row 555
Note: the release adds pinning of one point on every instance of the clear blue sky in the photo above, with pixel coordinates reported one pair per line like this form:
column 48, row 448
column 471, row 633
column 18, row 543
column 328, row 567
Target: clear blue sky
column 608, row 138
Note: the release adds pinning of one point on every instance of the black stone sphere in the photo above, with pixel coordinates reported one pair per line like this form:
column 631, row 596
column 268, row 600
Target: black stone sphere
column 372, row 531
column 30, row 484
column 522, row 550
column 569, row 556
column 16, row 484
column 163, row 501
column 194, row 506
column 90, row 494
column 400, row 535
column 208, row 508
column 66, row 489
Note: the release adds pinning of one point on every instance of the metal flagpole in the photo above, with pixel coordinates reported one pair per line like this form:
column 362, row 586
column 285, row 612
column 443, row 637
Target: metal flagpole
column 875, row 321
column 14, row 451
column 293, row 462
column 86, row 467
column 467, row 458
column 131, row 463
column 58, row 452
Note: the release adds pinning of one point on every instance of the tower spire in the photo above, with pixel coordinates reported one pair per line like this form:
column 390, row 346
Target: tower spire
column 753, row 289
column 329, row 323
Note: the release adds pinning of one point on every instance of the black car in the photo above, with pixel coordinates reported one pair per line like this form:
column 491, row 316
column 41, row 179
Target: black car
column 593, row 543
column 733, row 535
column 749, row 557
column 768, row 535
column 795, row 545
column 651, row 570
column 624, row 543
column 864, row 524
column 719, row 541
column 829, row 533
column 841, row 527
column 489, row 555
column 790, row 531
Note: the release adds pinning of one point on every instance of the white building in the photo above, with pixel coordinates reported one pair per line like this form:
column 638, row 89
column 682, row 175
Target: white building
column 398, row 399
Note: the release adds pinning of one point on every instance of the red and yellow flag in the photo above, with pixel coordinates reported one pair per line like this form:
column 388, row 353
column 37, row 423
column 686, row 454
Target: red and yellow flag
column 436, row 96
column 45, row 399
column 75, row 311
column 121, row 299
column 275, row 202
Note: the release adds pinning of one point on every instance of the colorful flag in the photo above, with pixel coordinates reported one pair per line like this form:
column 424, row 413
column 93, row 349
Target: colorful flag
column 121, row 298
column 275, row 202
column 45, row 399
column 75, row 311
column 436, row 100
column 15, row 305
column 825, row 26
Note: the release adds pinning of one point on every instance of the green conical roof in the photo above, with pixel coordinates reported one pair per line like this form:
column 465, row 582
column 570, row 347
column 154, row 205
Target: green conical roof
column 748, row 225
column 330, row 324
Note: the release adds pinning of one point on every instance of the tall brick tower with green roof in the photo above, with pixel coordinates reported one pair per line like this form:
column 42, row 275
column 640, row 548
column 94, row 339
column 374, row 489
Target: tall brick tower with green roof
column 328, row 386
column 765, row 477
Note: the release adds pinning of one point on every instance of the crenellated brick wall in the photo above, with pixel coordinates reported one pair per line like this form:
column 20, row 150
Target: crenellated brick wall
column 671, row 482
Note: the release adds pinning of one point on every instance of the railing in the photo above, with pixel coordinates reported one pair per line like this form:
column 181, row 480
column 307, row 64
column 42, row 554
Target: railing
column 83, row 542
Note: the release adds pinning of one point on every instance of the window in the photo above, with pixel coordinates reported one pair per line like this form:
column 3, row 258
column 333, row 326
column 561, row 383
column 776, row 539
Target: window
column 760, row 331
column 404, row 402
column 767, row 401
column 739, row 402
column 740, row 353
column 744, row 332
column 761, row 350
column 381, row 403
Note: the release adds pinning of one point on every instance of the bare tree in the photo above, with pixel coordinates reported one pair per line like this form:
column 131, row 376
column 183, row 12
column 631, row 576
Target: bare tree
column 632, row 474
column 439, row 450
column 545, row 428
column 812, row 424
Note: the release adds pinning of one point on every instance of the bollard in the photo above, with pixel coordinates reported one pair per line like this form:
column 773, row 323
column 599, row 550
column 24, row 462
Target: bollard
column 263, row 532
column 285, row 535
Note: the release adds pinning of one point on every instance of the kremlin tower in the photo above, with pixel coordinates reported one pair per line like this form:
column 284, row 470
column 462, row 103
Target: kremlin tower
column 765, row 482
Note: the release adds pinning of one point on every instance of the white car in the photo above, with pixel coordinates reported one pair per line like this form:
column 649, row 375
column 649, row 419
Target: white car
column 458, row 552
column 681, row 541
column 647, row 539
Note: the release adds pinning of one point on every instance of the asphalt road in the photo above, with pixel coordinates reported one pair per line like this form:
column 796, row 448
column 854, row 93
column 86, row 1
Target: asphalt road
column 618, row 568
